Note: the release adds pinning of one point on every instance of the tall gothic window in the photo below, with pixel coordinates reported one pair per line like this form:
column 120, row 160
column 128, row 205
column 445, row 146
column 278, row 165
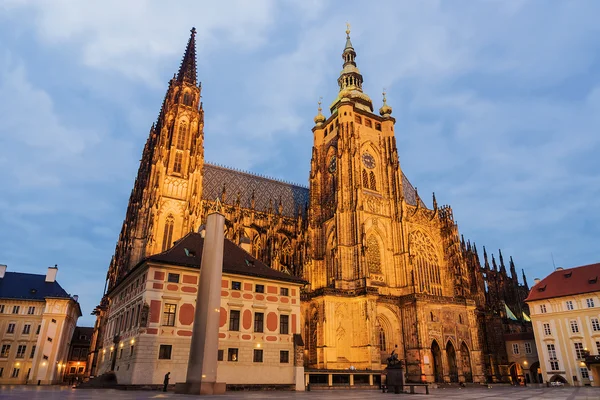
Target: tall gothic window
column 372, row 182
column 177, row 163
column 382, row 342
column 373, row 255
column 168, row 234
column 187, row 99
column 427, row 270
column 182, row 136
column 365, row 179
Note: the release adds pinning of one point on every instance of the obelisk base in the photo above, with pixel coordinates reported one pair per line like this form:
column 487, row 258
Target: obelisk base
column 200, row 388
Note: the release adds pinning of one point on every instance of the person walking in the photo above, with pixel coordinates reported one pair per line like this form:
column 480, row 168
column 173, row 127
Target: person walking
column 166, row 383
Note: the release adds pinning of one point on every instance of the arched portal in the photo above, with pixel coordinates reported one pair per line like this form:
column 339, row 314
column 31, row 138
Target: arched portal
column 466, row 362
column 536, row 373
column 451, row 357
column 436, row 352
column 514, row 374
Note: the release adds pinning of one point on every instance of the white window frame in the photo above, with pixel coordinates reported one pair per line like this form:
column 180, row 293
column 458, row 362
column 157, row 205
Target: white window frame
column 547, row 329
column 590, row 302
column 515, row 348
column 528, row 349
column 543, row 308
column 595, row 324
column 574, row 326
column 569, row 304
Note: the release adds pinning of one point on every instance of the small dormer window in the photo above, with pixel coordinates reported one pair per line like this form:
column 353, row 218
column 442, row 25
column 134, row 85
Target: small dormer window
column 593, row 280
column 568, row 274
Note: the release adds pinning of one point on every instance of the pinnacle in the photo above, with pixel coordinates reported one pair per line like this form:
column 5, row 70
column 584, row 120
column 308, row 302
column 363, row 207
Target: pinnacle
column 187, row 70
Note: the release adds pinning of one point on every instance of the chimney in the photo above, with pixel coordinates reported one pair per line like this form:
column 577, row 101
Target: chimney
column 2, row 270
column 536, row 281
column 75, row 298
column 51, row 274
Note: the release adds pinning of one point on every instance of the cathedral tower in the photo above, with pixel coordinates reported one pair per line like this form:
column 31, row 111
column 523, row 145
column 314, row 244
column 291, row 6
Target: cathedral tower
column 165, row 202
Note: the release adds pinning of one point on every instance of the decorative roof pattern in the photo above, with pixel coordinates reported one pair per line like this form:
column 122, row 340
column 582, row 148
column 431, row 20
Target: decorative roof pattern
column 18, row 285
column 268, row 192
column 567, row 282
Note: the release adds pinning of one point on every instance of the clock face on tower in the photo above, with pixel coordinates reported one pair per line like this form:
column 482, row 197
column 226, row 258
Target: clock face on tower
column 368, row 160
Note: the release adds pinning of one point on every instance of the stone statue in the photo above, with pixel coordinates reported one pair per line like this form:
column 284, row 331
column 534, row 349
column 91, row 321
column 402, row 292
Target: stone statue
column 392, row 360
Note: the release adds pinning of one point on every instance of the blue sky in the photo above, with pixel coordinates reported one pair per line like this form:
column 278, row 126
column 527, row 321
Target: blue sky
column 497, row 106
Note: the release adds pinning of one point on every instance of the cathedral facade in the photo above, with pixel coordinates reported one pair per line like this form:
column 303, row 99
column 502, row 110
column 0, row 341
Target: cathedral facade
column 386, row 273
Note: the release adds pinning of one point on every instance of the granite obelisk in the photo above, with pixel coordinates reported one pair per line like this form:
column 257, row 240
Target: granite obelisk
column 202, row 365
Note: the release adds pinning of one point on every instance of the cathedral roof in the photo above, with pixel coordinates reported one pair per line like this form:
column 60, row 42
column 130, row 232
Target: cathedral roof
column 567, row 282
column 188, row 252
column 268, row 192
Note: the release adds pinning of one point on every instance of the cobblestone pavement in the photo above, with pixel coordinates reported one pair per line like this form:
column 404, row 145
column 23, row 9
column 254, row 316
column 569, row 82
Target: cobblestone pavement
column 495, row 393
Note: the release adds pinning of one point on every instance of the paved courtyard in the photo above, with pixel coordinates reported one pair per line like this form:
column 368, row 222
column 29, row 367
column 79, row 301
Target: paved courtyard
column 495, row 393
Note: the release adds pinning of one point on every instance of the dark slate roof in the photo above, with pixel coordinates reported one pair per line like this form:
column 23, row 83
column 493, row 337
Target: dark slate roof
column 293, row 197
column 567, row 282
column 188, row 252
column 82, row 330
column 18, row 285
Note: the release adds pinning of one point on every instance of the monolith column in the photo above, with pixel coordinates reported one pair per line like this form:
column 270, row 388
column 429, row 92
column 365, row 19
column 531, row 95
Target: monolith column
column 202, row 366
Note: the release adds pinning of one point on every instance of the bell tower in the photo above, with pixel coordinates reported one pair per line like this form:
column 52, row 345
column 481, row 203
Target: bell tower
column 355, row 190
column 165, row 202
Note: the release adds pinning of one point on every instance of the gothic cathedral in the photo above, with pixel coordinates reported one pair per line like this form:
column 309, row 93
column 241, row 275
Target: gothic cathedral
column 386, row 273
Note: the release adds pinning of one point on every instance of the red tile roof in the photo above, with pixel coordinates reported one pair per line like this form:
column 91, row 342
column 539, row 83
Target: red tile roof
column 567, row 282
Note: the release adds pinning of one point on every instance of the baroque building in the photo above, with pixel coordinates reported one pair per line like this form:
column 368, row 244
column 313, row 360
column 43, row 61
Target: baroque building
column 386, row 273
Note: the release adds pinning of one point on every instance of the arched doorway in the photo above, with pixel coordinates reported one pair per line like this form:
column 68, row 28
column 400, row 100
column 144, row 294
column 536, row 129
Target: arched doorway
column 451, row 357
column 536, row 373
column 558, row 378
column 436, row 352
column 514, row 374
column 466, row 363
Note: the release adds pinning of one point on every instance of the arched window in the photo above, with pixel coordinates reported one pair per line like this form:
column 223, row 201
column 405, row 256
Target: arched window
column 432, row 318
column 182, row 136
column 168, row 233
column 187, row 99
column 365, row 179
column 373, row 255
column 427, row 270
column 256, row 248
column 382, row 342
column 460, row 321
column 177, row 163
column 372, row 182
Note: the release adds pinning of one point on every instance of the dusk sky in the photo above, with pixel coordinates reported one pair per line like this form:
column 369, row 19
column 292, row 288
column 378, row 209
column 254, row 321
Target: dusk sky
column 497, row 107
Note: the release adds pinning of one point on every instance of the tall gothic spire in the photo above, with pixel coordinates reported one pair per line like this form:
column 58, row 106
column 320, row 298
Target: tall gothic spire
column 187, row 70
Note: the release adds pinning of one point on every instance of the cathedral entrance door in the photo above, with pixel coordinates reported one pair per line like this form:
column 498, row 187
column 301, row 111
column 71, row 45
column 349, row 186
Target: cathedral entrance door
column 466, row 363
column 437, row 362
column 451, row 356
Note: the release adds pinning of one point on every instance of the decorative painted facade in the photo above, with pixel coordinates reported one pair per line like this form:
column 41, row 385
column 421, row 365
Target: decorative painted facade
column 385, row 271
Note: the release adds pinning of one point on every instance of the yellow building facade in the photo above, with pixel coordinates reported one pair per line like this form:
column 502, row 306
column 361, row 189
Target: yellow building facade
column 37, row 320
column 151, row 314
column 565, row 312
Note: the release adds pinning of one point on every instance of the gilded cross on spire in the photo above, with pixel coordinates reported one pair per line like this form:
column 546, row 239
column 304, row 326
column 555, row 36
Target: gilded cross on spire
column 348, row 29
column 320, row 109
column 383, row 93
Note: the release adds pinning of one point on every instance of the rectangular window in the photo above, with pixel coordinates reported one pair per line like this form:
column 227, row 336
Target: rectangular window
column 32, row 352
column 527, row 348
column 177, row 163
column 553, row 365
column 569, row 305
column 378, row 126
column 53, row 320
column 258, row 355
column 579, row 350
column 164, row 352
column 358, row 119
column 585, row 374
column 11, row 328
column 131, row 351
column 80, row 370
column 543, row 308
column 220, row 355
column 515, row 347
column 169, row 311
column 5, row 351
column 1, row 308
column 595, row 325
column 284, row 324
column 121, row 353
column 368, row 123
column 234, row 320
column 49, row 339
column 75, row 354
column 259, row 319
column 72, row 370
column 284, row 291
column 15, row 373
column 236, row 285
column 174, row 278
column 232, row 354
column 37, row 332
column 590, row 304
column 284, row 356
column 574, row 326
column 260, row 289
column 16, row 309
column 1, row 371
column 31, row 310
column 552, row 357
column 26, row 329
column 21, row 351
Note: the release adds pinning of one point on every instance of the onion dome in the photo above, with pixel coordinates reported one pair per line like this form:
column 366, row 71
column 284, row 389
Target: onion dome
column 320, row 118
column 385, row 110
